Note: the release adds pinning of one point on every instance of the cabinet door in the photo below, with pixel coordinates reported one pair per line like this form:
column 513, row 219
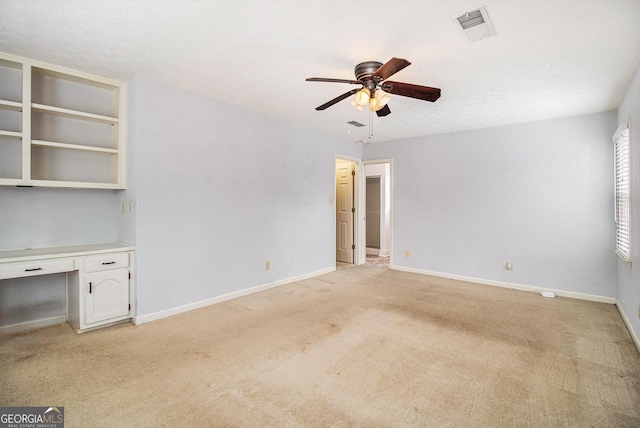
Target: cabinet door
column 106, row 295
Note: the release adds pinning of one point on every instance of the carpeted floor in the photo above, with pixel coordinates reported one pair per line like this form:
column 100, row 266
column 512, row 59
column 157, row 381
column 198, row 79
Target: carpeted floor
column 362, row 346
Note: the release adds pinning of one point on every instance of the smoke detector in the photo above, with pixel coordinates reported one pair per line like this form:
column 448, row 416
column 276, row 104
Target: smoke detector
column 474, row 24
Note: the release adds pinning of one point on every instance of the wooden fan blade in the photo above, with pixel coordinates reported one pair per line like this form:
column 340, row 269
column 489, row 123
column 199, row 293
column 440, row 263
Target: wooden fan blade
column 384, row 111
column 390, row 68
column 337, row 99
column 414, row 91
column 322, row 79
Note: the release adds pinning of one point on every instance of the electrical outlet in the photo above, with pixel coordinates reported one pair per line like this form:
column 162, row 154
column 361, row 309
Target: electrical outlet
column 267, row 265
column 287, row 261
column 407, row 253
column 509, row 266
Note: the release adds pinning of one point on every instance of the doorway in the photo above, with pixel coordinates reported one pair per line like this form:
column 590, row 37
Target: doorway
column 372, row 203
column 379, row 210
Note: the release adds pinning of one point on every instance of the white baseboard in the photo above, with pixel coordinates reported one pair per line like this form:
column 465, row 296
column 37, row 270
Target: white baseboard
column 141, row 319
column 633, row 334
column 521, row 287
column 30, row 325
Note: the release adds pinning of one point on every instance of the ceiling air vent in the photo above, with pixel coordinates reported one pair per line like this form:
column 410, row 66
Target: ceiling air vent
column 474, row 24
column 354, row 123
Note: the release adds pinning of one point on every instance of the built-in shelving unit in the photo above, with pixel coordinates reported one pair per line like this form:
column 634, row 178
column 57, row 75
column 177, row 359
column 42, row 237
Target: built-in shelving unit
column 60, row 127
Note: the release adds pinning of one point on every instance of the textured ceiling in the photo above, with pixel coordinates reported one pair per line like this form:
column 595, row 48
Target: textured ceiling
column 549, row 58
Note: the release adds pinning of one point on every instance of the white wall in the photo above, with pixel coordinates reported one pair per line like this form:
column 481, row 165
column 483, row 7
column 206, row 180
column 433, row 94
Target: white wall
column 629, row 276
column 44, row 217
column 536, row 194
column 220, row 190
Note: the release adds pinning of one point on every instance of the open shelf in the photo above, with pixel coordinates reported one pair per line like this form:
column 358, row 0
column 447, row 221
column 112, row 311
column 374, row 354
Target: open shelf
column 11, row 78
column 10, row 105
column 10, row 134
column 10, row 149
column 73, row 114
column 48, row 163
column 60, row 127
column 41, row 143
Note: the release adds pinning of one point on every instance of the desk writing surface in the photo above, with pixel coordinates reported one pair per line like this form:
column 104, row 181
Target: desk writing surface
column 26, row 254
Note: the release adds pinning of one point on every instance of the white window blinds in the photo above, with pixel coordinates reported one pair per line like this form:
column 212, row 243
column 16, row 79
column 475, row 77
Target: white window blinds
column 623, row 192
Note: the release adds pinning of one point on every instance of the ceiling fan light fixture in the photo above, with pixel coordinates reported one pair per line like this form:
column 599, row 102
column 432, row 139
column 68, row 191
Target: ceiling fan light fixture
column 353, row 103
column 362, row 97
column 374, row 105
column 372, row 76
column 382, row 98
column 379, row 100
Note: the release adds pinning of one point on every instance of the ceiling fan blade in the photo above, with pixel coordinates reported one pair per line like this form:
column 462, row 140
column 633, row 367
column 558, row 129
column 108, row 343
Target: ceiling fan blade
column 390, row 68
column 384, row 111
column 337, row 99
column 322, row 79
column 414, row 91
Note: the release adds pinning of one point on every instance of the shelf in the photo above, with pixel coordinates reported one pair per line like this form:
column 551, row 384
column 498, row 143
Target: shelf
column 73, row 114
column 11, row 182
column 60, row 127
column 74, row 184
column 10, row 105
column 76, row 77
column 42, row 143
column 11, row 134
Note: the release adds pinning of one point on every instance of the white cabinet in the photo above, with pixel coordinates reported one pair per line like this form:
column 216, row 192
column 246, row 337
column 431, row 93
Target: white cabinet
column 100, row 288
column 103, row 292
column 60, row 127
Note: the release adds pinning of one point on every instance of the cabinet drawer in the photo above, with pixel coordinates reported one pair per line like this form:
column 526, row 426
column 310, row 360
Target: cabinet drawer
column 44, row 267
column 106, row 262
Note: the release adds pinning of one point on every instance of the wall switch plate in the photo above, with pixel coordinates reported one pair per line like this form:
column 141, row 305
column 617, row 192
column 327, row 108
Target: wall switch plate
column 407, row 253
column 288, row 261
column 267, row 265
column 509, row 266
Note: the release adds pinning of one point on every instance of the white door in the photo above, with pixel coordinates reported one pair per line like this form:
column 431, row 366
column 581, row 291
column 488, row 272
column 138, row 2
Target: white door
column 345, row 211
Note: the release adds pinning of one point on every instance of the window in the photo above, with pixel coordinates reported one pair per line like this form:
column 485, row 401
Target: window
column 622, row 167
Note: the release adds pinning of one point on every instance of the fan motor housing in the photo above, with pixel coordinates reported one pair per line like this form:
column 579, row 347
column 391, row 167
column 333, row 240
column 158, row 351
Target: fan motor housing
column 366, row 69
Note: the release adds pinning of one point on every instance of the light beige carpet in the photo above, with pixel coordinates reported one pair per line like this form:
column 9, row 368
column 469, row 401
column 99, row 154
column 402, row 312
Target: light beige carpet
column 362, row 346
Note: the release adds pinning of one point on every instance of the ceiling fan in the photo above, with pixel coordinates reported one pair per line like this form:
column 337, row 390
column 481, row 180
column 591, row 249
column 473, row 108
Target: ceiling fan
column 375, row 90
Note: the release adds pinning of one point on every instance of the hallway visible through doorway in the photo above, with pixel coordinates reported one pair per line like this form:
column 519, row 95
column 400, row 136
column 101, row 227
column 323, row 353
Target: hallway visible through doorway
column 377, row 261
column 378, row 212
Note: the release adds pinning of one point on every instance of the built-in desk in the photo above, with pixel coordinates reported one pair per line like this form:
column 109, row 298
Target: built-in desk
column 99, row 289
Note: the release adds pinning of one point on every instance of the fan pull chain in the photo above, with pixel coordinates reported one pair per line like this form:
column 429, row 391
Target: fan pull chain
column 370, row 124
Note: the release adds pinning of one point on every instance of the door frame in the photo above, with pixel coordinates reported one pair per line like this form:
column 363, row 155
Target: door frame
column 358, row 223
column 361, row 246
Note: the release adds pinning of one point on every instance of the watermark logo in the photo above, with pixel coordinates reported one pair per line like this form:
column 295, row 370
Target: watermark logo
column 31, row 417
